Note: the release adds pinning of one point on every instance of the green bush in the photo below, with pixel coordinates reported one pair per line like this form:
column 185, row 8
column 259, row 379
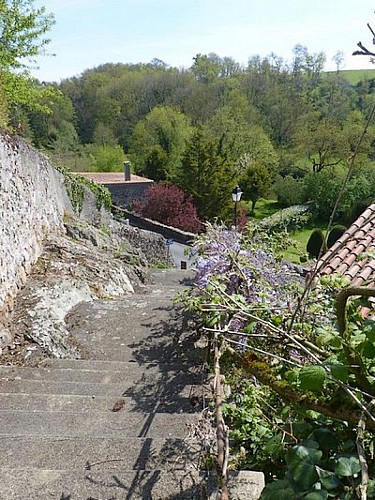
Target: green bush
column 316, row 244
column 335, row 234
column 289, row 191
column 322, row 189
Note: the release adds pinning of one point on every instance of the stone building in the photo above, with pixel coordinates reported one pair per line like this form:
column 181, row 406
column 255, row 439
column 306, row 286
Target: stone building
column 124, row 187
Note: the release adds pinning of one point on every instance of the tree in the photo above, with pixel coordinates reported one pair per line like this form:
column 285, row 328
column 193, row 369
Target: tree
column 238, row 140
column 22, row 40
column 105, row 158
column 156, row 162
column 335, row 233
column 168, row 204
column 207, row 176
column 167, row 128
column 255, row 182
column 289, row 191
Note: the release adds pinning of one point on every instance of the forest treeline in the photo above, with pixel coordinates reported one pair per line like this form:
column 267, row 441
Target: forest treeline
column 272, row 126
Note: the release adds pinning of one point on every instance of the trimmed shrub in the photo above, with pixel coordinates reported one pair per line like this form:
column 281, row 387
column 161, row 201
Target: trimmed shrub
column 289, row 219
column 316, row 244
column 335, row 234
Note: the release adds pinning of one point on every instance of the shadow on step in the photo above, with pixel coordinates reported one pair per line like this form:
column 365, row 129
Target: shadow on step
column 180, row 385
column 157, row 485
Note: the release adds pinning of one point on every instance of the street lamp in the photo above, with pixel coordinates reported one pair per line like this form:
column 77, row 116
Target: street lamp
column 236, row 195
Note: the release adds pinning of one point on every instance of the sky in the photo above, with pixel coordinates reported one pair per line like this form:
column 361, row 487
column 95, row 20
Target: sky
column 88, row 33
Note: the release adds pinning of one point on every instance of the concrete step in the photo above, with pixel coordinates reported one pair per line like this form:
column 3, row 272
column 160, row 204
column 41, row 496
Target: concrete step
column 146, row 373
column 143, row 388
column 142, row 352
column 94, row 364
column 189, row 484
column 120, row 424
column 97, row 454
column 190, row 403
column 108, row 485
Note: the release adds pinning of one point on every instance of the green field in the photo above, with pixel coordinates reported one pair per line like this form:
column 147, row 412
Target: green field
column 356, row 75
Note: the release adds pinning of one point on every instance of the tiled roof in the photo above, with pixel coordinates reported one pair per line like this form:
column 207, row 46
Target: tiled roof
column 353, row 254
column 113, row 177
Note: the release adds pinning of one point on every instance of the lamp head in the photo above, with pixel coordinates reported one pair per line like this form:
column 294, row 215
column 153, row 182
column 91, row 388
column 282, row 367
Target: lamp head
column 236, row 193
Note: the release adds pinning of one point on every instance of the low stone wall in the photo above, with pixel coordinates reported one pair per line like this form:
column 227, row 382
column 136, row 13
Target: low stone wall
column 169, row 233
column 124, row 195
column 152, row 245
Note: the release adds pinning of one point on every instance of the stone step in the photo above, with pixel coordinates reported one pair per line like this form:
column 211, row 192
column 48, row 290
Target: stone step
column 144, row 388
column 93, row 364
column 96, row 424
column 145, row 374
column 142, row 352
column 98, row 454
column 188, row 484
column 190, row 403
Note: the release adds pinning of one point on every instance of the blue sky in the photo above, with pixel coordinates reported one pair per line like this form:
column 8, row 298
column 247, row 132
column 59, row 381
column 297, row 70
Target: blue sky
column 88, row 33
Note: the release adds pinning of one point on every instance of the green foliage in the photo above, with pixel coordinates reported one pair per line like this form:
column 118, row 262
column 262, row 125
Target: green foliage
column 288, row 118
column 322, row 190
column 238, row 139
column 319, row 468
column 255, row 182
column 22, row 39
column 289, row 191
column 22, row 31
column 105, row 158
column 335, row 234
column 289, row 219
column 207, row 177
column 167, row 129
column 316, row 245
column 298, row 383
column 76, row 186
column 156, row 164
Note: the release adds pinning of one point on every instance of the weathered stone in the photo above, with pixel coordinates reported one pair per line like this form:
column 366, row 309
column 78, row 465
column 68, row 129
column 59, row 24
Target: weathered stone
column 6, row 337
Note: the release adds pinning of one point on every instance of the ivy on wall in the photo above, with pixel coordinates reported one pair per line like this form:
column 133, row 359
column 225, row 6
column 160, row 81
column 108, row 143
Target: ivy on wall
column 76, row 186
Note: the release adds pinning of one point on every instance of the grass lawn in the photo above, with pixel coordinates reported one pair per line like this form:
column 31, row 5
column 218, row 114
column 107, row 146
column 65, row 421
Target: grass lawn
column 301, row 238
column 265, row 208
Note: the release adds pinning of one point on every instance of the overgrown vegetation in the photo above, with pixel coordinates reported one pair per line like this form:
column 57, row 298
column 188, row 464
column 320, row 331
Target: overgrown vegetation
column 77, row 186
column 300, row 365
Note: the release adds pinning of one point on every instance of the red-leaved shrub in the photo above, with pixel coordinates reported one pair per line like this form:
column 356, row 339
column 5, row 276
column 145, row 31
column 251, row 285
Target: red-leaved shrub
column 168, row 204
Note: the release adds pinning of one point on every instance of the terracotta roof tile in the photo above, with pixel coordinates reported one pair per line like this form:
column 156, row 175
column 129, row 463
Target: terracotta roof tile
column 112, row 177
column 353, row 253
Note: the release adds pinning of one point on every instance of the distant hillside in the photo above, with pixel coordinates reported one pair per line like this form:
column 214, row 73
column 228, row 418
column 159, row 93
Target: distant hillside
column 356, row 75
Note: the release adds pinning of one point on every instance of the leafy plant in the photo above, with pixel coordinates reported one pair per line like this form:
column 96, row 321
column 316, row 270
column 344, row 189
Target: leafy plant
column 304, row 365
column 320, row 468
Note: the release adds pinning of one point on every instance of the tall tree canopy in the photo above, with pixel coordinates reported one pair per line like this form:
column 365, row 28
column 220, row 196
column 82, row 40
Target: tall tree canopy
column 22, row 39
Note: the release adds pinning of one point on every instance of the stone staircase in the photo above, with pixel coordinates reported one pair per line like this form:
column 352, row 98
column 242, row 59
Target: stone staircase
column 120, row 423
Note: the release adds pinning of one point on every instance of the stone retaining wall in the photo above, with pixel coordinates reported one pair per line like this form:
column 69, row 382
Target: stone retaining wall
column 32, row 203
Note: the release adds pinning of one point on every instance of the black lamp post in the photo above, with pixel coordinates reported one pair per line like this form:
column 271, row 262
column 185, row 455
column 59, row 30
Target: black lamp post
column 236, row 195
